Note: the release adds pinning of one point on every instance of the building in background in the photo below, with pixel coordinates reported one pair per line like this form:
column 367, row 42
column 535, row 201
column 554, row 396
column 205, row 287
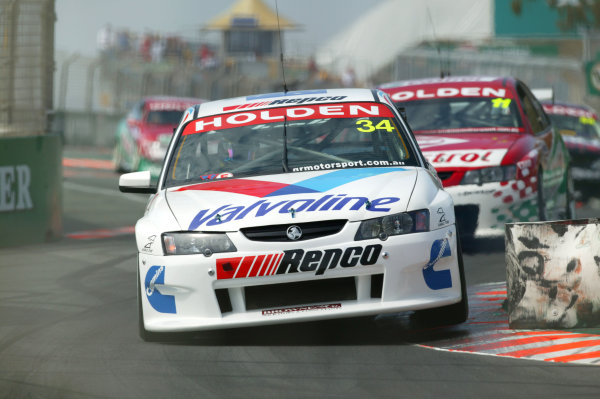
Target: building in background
column 26, row 66
column 250, row 29
column 546, row 43
column 252, row 37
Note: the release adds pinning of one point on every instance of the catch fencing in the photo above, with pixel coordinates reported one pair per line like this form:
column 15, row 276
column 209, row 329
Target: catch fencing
column 26, row 66
column 93, row 93
column 30, row 159
column 112, row 85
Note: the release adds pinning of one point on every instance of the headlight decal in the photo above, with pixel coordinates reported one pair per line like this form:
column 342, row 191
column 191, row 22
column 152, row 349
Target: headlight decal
column 438, row 280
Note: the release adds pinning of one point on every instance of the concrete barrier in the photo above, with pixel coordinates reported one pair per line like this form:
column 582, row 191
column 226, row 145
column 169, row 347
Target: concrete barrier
column 30, row 189
column 553, row 274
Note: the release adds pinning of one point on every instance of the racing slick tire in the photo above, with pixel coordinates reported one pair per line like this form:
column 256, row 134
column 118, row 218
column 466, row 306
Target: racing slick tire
column 118, row 159
column 570, row 196
column 541, row 202
column 451, row 314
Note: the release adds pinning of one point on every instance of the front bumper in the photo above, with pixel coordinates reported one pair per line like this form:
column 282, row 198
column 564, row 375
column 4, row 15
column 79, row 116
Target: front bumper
column 484, row 209
column 258, row 286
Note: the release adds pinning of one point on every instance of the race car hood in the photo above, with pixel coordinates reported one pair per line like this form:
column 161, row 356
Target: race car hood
column 468, row 150
column 352, row 194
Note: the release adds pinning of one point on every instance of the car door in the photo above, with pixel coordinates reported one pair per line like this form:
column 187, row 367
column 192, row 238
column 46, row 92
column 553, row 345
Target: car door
column 552, row 153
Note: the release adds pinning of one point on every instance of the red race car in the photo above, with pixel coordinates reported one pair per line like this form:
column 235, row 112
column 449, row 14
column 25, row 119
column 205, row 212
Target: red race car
column 143, row 136
column 494, row 149
column 578, row 125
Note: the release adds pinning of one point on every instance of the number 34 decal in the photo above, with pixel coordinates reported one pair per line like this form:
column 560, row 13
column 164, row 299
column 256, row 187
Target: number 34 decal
column 366, row 126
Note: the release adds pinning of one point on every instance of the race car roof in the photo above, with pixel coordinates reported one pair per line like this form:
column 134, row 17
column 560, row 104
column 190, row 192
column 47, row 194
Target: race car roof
column 166, row 103
column 289, row 98
column 567, row 109
column 462, row 86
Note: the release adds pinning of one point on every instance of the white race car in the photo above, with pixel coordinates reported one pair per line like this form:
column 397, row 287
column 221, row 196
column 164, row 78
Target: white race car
column 289, row 207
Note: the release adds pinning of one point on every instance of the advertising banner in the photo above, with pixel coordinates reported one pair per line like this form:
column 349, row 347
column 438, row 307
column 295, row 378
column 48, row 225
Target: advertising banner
column 30, row 190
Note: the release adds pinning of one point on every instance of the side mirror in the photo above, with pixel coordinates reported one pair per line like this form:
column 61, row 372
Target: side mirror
column 137, row 182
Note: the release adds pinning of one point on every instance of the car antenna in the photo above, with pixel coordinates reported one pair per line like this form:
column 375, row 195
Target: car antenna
column 284, row 156
column 285, row 89
column 437, row 45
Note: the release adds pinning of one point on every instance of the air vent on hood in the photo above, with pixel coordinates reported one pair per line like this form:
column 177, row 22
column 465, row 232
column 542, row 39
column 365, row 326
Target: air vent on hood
column 309, row 230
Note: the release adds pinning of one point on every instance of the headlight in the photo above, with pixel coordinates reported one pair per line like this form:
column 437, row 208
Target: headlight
column 184, row 243
column 393, row 225
column 488, row 175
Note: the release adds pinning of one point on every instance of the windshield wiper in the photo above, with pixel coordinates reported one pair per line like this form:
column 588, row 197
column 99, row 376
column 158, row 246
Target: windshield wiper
column 284, row 159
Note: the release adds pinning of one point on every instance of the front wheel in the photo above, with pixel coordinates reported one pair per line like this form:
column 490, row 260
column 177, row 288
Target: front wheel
column 540, row 196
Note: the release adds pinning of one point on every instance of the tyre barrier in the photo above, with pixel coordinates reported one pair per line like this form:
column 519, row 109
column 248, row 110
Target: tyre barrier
column 553, row 274
column 30, row 190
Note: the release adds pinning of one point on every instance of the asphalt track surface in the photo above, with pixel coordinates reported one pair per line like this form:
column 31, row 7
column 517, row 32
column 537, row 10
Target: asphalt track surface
column 68, row 329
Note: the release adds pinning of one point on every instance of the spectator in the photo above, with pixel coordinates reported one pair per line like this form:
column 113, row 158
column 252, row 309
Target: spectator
column 348, row 77
column 207, row 57
column 105, row 40
column 157, row 50
column 145, row 46
column 313, row 70
column 123, row 42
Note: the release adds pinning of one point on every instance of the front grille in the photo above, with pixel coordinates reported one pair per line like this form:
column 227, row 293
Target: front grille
column 376, row 285
column 278, row 232
column 300, row 293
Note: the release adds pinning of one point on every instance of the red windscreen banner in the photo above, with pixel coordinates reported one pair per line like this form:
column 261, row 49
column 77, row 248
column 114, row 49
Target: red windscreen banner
column 289, row 114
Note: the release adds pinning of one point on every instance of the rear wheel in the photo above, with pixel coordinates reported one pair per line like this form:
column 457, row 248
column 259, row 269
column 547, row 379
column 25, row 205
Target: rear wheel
column 451, row 314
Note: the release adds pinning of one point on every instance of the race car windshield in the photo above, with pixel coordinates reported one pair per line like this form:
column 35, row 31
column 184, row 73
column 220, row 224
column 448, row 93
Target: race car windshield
column 581, row 126
column 313, row 144
column 464, row 114
column 164, row 117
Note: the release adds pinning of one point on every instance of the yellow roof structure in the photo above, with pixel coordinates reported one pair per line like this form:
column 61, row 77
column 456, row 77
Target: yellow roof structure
column 252, row 14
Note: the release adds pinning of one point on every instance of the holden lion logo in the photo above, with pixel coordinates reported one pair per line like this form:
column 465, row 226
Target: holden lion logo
column 294, row 233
